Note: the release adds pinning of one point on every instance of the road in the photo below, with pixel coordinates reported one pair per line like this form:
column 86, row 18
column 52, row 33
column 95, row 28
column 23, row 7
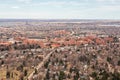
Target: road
column 40, row 65
column 44, row 60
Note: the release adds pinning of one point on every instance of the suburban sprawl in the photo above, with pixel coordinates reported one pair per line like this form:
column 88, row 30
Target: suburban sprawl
column 59, row 49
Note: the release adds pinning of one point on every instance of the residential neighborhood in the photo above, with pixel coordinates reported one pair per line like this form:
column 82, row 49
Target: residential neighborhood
column 68, row 50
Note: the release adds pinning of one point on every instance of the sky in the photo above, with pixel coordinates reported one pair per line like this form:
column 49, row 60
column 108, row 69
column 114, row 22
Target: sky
column 60, row 9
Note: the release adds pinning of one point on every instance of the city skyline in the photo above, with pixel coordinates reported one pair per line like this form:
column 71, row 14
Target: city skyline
column 64, row 9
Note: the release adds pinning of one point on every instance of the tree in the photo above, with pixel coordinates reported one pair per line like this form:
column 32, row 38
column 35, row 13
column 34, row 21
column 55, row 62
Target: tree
column 2, row 62
column 116, row 76
column 12, row 75
column 94, row 74
column 8, row 74
column 109, row 59
column 84, row 58
column 21, row 77
column 61, row 62
column 36, row 71
column 20, row 67
column 119, row 63
column 25, row 72
column 115, row 39
column 47, row 75
column 76, row 76
column 62, row 75
column 46, row 64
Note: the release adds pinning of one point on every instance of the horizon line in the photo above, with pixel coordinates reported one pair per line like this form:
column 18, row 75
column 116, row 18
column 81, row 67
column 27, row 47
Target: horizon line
column 54, row 19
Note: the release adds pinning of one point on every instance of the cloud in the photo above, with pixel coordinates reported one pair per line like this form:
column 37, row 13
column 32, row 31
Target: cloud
column 59, row 3
column 110, row 8
column 109, row 1
column 15, row 7
column 25, row 1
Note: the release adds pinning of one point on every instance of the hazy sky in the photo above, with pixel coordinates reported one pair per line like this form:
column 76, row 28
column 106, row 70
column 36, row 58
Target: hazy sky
column 60, row 9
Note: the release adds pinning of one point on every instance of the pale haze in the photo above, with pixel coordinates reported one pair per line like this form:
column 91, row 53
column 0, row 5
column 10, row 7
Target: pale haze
column 60, row 9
